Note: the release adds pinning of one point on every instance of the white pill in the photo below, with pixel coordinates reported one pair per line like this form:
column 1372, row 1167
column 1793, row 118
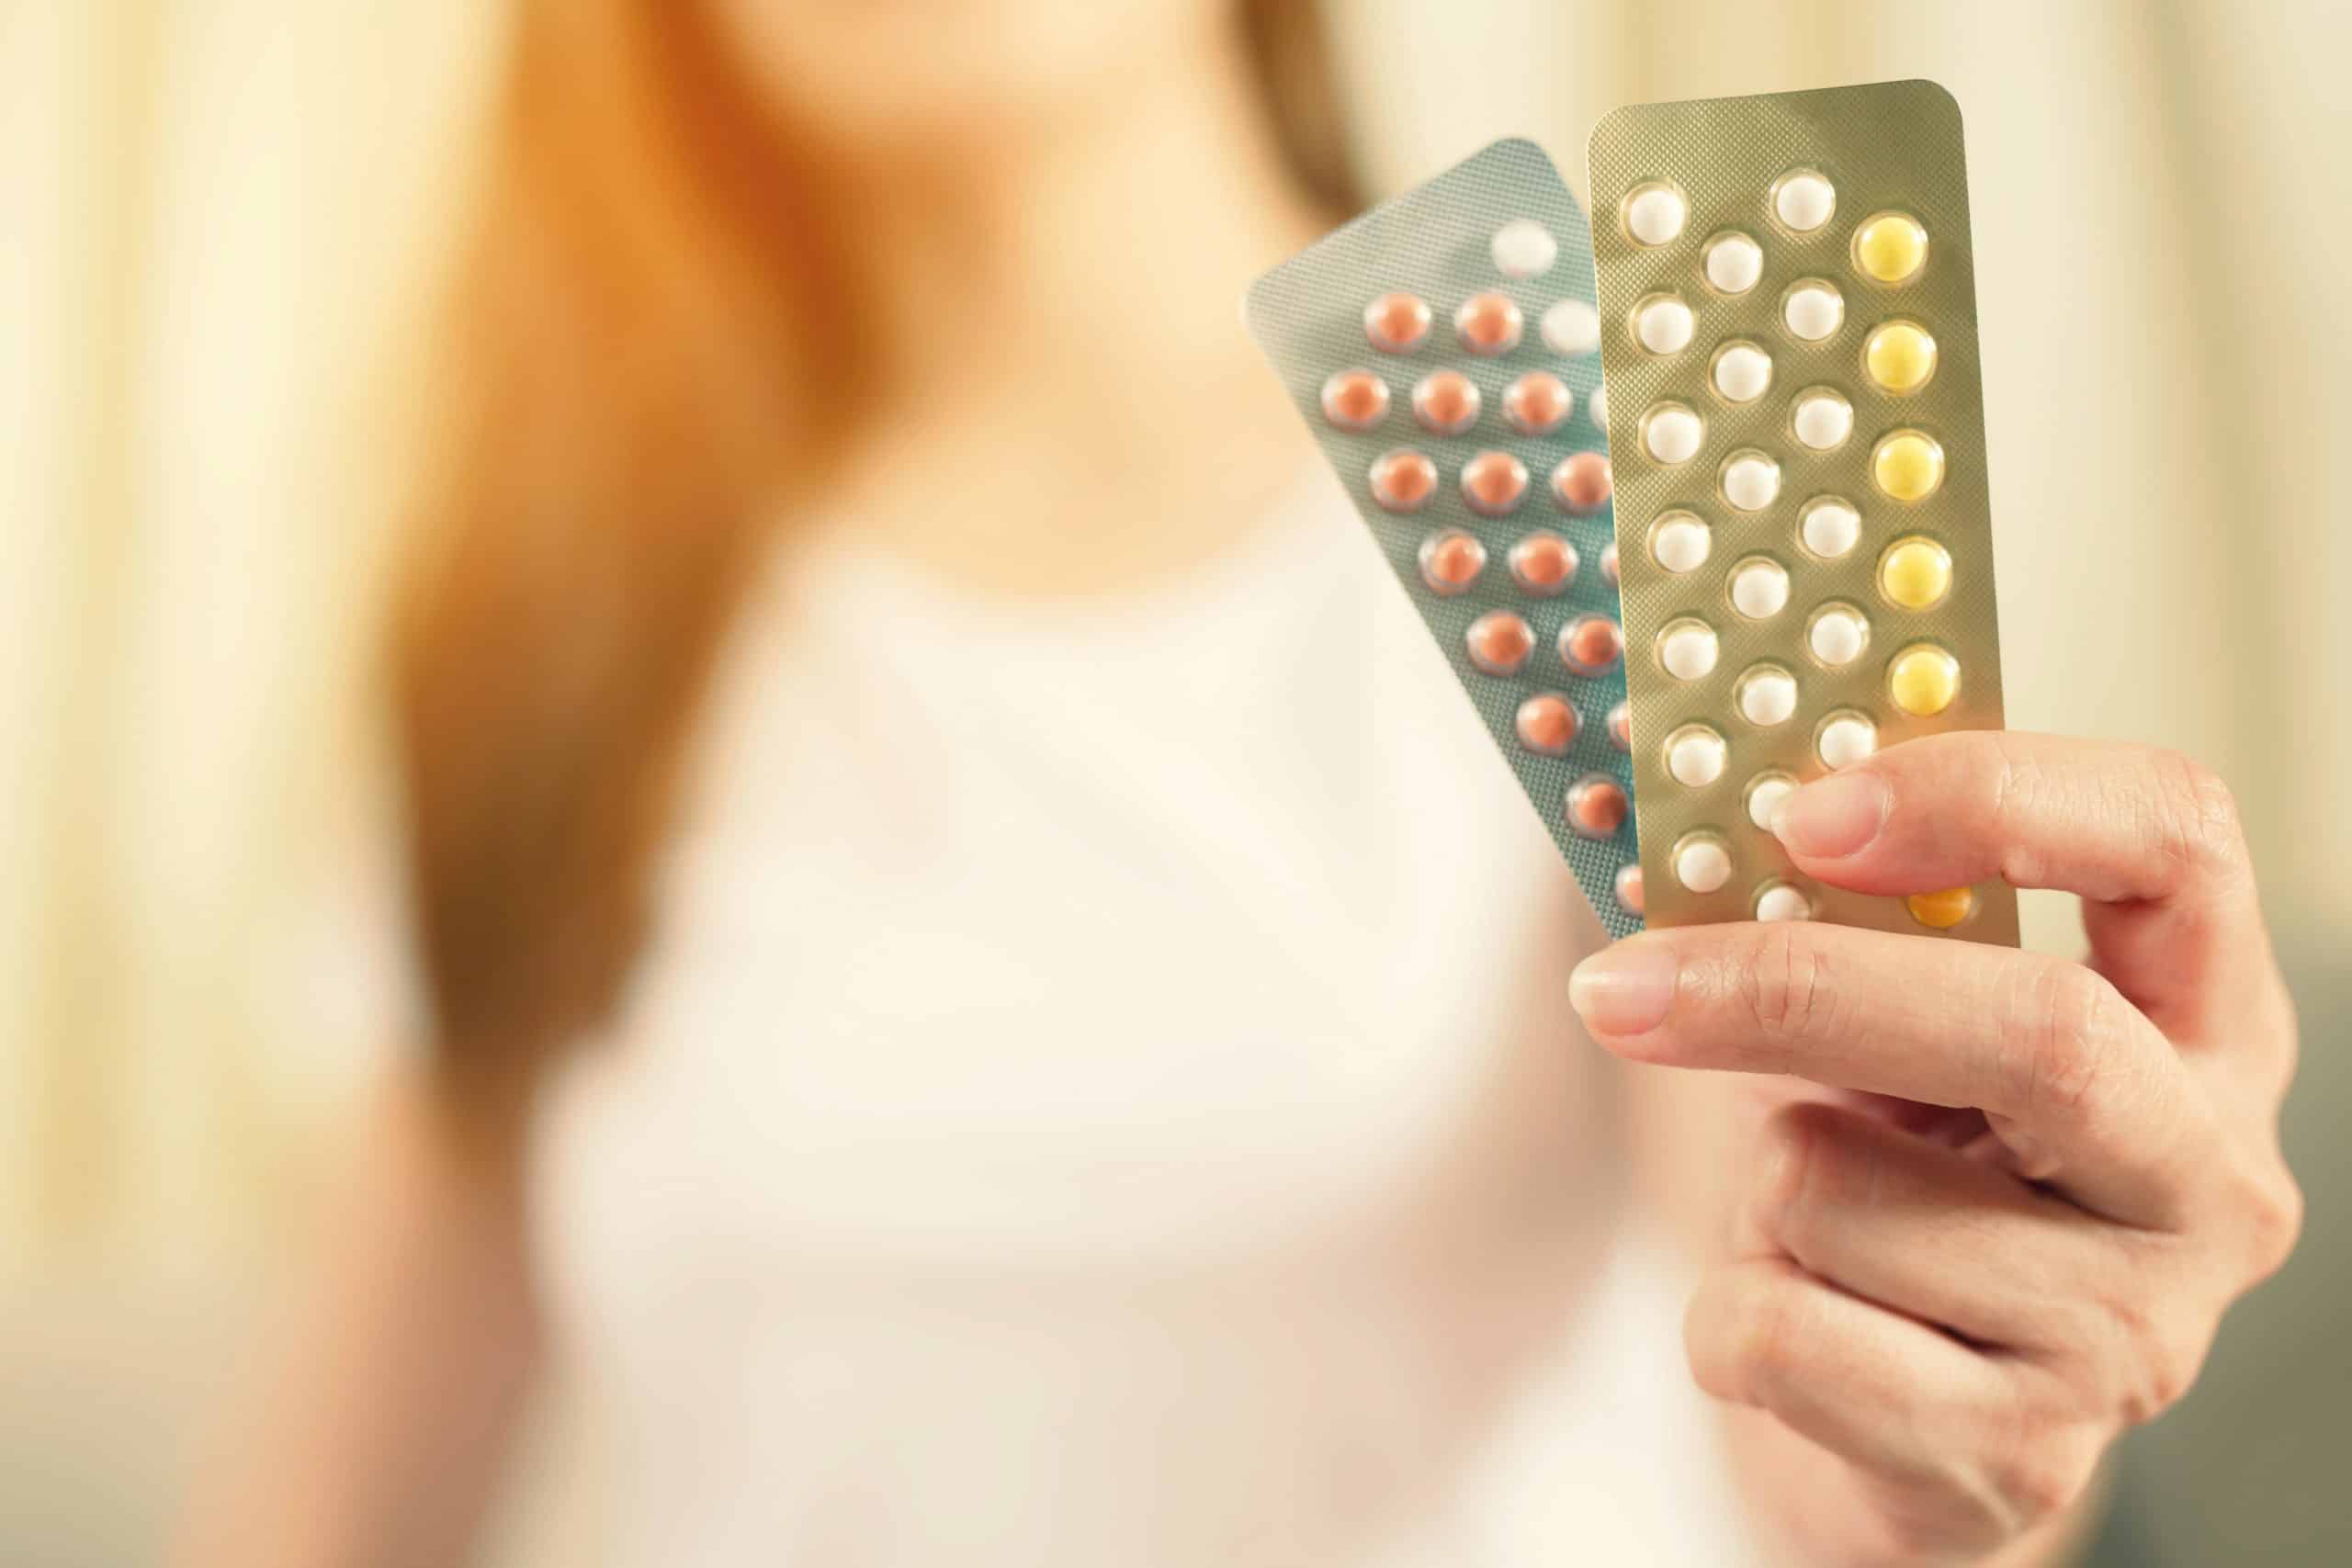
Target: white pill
column 1672, row 434
column 1765, row 793
column 1571, row 327
column 1654, row 214
column 1838, row 636
column 1759, row 588
column 1751, row 481
column 1823, row 419
column 1701, row 865
column 1598, row 406
column 1680, row 542
column 1767, row 695
column 1804, row 201
column 1778, row 901
column 1734, row 263
column 1695, row 756
column 1688, row 650
column 1813, row 311
column 1742, row 372
column 1845, row 739
column 1524, row 248
column 1830, row 529
column 1664, row 324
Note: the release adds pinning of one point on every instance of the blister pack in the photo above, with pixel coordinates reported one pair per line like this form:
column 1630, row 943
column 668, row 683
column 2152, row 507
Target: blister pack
column 1788, row 309
column 1443, row 348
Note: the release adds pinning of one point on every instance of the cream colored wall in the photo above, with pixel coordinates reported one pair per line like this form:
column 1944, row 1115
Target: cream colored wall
column 211, row 209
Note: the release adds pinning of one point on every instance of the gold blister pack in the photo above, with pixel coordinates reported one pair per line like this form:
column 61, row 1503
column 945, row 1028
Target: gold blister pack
column 1802, row 515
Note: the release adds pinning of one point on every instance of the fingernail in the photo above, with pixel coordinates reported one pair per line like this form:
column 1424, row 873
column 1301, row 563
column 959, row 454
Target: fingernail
column 1625, row 989
column 1830, row 818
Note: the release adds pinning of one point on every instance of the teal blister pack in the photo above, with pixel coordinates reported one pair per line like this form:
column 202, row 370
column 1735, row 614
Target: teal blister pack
column 1443, row 347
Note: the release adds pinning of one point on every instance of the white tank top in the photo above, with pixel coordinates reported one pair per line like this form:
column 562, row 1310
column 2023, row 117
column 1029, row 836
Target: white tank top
column 1102, row 1092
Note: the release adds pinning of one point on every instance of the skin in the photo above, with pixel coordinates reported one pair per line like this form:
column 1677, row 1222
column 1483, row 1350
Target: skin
column 2001, row 1228
column 1995, row 1202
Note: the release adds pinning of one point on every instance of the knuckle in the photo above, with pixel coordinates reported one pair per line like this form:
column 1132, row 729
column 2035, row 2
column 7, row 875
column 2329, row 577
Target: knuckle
column 1791, row 1147
column 2067, row 1035
column 2044, row 1474
column 2161, row 1358
column 1763, row 1350
column 2272, row 1201
column 1785, row 982
column 2195, row 815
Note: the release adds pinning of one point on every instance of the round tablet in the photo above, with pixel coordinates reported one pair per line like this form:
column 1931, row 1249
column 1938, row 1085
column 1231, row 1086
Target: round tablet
column 1686, row 649
column 1751, row 480
column 1741, row 372
column 1915, row 573
column 1695, row 756
column 1766, row 695
column 1597, row 807
column 1765, row 793
column 1580, row 483
column 1654, row 214
column 1671, row 432
column 1629, row 888
column 1571, row 327
column 1356, row 400
column 1446, row 402
column 1620, row 727
column 1451, row 561
column 1608, row 561
column 1838, row 636
column 1782, row 901
column 1488, row 324
column 1889, row 247
column 1803, row 201
column 1942, row 912
column 1547, row 723
column 1923, row 679
column 1537, row 403
column 1397, row 323
column 1900, row 355
column 1845, row 739
column 1523, row 248
column 1499, row 642
column 1821, row 419
column 1812, row 309
column 1759, row 588
column 1544, row 563
column 1403, row 481
column 1591, row 644
column 1663, row 324
column 1829, row 528
column 1493, row 484
column 1596, row 406
column 1680, row 542
column 1733, row 262
column 1702, row 863
column 1907, row 464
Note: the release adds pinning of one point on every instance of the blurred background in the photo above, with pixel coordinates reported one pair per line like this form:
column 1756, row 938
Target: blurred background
column 218, row 217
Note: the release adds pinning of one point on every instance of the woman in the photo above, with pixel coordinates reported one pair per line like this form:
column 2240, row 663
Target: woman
column 992, row 994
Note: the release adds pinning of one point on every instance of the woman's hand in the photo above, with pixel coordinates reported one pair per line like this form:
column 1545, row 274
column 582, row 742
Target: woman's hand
column 2011, row 1233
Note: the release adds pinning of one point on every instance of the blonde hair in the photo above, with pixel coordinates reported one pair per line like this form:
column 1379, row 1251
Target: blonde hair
column 622, row 422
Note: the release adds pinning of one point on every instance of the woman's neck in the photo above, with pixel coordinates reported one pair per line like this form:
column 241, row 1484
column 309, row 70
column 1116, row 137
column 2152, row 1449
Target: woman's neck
column 1057, row 313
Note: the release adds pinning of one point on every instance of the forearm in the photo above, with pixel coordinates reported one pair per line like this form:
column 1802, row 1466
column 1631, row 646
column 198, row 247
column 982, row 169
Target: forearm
column 383, row 1411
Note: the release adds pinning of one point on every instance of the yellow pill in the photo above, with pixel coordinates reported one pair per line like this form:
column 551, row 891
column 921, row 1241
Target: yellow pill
column 1923, row 679
column 1900, row 357
column 1908, row 466
column 1915, row 573
column 1891, row 247
column 1942, row 910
